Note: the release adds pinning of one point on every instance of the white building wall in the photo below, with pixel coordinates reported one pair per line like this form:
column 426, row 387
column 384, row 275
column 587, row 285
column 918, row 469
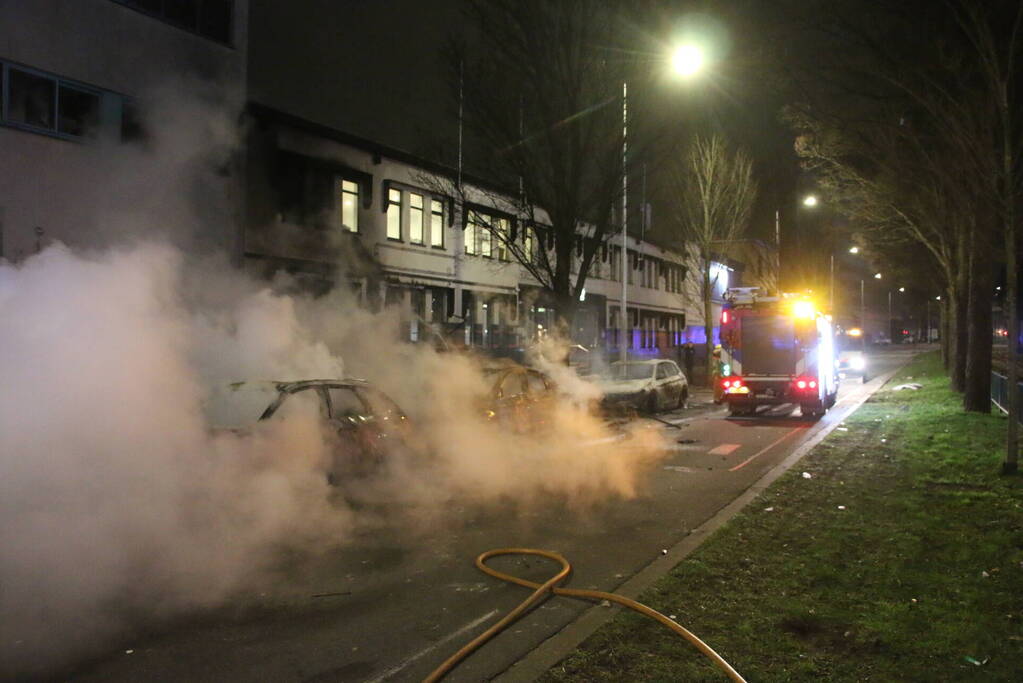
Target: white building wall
column 78, row 191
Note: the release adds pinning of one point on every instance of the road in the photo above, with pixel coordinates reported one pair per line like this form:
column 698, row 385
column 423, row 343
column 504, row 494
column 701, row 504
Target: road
column 396, row 603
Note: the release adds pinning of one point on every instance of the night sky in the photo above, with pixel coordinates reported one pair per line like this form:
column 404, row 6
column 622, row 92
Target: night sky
column 375, row 69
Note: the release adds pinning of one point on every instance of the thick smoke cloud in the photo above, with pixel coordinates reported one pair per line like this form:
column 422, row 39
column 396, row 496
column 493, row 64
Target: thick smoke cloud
column 121, row 504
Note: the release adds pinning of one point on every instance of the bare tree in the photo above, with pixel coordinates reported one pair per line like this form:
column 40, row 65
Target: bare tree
column 713, row 198
column 540, row 86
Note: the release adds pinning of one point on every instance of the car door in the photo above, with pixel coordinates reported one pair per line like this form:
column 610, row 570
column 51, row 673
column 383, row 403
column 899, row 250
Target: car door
column 353, row 421
column 662, row 385
column 541, row 398
column 676, row 380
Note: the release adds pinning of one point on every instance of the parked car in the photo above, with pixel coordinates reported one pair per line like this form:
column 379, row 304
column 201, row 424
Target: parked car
column 368, row 423
column 520, row 398
column 647, row 385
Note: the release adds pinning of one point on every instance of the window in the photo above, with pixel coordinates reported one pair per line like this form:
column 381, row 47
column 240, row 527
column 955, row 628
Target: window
column 501, row 228
column 345, row 403
column 49, row 103
column 527, row 243
column 32, row 100
column 486, row 241
column 436, row 223
column 470, row 234
column 349, row 206
column 393, row 214
column 209, row 18
column 415, row 213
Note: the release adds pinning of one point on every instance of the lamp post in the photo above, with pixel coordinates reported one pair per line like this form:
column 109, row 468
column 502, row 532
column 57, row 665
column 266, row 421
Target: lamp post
column 686, row 61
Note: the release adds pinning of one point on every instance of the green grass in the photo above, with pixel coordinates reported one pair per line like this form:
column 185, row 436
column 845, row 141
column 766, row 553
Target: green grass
column 922, row 570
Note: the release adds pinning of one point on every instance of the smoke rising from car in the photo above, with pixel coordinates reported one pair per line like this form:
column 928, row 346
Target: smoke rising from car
column 123, row 505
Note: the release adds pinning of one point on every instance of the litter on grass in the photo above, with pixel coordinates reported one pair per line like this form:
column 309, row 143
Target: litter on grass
column 807, row 475
column 912, row 386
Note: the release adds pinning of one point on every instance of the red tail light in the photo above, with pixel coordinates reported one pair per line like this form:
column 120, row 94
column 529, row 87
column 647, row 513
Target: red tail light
column 806, row 383
column 731, row 382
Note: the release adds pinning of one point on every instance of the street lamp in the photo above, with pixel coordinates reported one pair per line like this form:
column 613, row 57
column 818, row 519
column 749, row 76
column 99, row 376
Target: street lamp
column 810, row 201
column 854, row 250
column 686, row 60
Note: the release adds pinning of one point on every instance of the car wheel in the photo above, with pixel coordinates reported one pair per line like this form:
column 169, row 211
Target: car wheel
column 683, row 398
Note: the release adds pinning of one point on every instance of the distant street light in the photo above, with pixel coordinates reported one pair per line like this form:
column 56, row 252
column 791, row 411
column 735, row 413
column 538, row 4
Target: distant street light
column 810, row 200
column 902, row 289
column 854, row 250
column 877, row 276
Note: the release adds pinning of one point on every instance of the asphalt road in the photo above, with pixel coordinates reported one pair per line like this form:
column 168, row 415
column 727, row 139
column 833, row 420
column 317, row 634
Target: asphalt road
column 397, row 602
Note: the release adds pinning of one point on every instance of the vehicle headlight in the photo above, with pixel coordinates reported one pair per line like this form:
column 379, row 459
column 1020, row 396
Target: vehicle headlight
column 858, row 363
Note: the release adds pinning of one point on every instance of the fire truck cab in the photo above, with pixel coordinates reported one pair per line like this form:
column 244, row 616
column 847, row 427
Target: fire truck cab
column 776, row 349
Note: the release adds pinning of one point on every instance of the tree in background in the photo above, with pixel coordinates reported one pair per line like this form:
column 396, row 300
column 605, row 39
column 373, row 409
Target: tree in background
column 713, row 198
column 540, row 89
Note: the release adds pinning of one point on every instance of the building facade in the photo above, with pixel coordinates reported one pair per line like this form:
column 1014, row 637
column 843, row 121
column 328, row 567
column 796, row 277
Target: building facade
column 335, row 210
column 83, row 83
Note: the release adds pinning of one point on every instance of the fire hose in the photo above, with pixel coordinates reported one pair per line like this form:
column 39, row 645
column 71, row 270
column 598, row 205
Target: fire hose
column 551, row 586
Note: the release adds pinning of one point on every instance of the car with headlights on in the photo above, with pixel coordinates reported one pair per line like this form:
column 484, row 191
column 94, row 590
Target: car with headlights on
column 647, row 385
column 852, row 359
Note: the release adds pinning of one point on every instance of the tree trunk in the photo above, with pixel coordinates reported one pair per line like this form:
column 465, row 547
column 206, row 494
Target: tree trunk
column 958, row 312
column 945, row 331
column 977, row 386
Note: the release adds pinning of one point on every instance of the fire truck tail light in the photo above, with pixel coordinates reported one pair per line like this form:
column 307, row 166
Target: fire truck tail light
column 801, row 384
column 812, row 384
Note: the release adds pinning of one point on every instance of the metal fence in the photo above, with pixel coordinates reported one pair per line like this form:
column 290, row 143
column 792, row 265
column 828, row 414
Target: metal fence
column 1000, row 394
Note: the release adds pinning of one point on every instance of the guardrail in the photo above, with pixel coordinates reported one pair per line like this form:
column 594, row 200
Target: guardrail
column 1000, row 394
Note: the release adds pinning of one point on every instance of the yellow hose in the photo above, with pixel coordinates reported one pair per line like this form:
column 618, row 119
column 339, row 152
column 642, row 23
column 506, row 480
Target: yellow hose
column 551, row 586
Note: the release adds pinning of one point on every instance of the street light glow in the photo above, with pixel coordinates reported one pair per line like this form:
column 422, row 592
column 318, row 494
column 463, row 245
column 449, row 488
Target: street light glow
column 877, row 276
column 854, row 250
column 810, row 200
column 902, row 289
column 686, row 60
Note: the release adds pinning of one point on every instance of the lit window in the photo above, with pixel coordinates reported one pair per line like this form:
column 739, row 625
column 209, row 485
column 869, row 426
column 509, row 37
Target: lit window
column 501, row 228
column 486, row 241
column 394, row 214
column 470, row 234
column 415, row 218
column 349, row 206
column 436, row 223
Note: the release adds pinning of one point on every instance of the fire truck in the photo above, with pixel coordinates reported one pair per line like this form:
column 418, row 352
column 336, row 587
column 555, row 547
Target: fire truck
column 774, row 350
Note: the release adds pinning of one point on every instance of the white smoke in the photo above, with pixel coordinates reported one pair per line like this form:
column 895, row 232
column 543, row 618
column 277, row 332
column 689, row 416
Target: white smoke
column 119, row 500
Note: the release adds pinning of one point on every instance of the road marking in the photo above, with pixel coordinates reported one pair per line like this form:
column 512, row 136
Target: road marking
column 723, row 449
column 422, row 653
column 765, row 449
column 678, row 468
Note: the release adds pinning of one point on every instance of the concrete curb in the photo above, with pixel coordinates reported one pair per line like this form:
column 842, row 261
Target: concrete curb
column 561, row 644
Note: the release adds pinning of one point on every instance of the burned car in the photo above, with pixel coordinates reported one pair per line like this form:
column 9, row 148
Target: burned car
column 368, row 424
column 521, row 399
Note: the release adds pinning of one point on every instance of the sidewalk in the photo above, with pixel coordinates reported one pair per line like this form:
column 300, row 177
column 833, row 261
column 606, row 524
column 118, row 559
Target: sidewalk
column 891, row 552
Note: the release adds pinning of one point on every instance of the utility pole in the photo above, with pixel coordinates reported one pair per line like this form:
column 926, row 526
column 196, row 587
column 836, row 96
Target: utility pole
column 622, row 343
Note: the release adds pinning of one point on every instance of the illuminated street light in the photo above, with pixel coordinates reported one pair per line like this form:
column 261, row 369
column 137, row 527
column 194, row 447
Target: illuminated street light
column 686, row 60
column 902, row 289
column 877, row 276
column 810, row 201
column 854, row 250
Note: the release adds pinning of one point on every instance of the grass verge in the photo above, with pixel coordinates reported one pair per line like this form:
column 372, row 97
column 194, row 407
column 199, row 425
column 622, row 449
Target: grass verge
column 899, row 559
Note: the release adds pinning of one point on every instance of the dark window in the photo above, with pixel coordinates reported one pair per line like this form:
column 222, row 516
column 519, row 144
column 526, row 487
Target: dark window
column 32, row 100
column 345, row 403
column 78, row 111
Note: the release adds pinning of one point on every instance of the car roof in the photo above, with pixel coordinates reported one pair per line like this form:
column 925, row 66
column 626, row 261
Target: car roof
column 295, row 385
column 643, row 362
